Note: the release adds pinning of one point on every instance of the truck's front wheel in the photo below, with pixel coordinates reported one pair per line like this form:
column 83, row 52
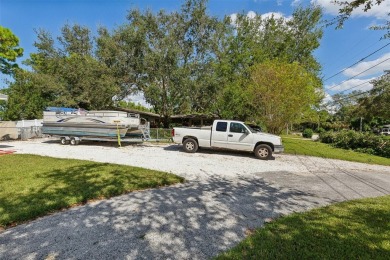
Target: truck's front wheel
column 190, row 145
column 263, row 152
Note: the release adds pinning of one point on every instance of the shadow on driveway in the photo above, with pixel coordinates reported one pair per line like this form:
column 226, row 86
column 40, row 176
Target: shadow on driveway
column 194, row 220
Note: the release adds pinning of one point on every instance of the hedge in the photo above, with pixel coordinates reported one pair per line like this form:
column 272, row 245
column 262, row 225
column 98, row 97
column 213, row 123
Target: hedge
column 357, row 141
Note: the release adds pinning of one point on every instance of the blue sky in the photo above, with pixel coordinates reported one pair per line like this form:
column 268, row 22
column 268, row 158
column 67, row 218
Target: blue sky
column 339, row 48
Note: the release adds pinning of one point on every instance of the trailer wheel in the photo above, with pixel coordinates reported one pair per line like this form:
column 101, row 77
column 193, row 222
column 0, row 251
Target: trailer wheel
column 190, row 145
column 263, row 152
column 64, row 141
column 74, row 141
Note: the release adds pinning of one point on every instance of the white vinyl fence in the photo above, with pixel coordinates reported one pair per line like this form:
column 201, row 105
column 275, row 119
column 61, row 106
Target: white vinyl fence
column 20, row 130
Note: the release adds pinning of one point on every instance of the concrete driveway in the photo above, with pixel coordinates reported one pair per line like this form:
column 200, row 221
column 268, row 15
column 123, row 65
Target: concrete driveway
column 226, row 195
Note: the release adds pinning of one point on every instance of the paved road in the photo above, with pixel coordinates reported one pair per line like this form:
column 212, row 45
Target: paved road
column 226, row 195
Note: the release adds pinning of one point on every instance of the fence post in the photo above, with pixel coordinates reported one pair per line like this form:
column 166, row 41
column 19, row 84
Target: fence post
column 22, row 133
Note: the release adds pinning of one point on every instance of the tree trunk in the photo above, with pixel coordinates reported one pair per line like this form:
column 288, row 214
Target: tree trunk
column 166, row 121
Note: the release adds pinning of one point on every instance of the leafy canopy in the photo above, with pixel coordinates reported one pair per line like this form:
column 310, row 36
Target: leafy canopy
column 183, row 62
column 347, row 7
column 376, row 103
column 255, row 40
column 9, row 50
column 167, row 56
column 283, row 92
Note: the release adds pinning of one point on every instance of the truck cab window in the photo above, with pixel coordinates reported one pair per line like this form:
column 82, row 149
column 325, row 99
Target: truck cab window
column 221, row 126
column 237, row 128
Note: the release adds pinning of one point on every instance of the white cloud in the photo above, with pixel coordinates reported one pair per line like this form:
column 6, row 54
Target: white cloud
column 327, row 104
column 252, row 15
column 378, row 11
column 296, row 2
column 327, row 99
column 351, row 85
column 138, row 99
column 328, row 6
column 233, row 18
column 380, row 64
column 279, row 2
column 276, row 15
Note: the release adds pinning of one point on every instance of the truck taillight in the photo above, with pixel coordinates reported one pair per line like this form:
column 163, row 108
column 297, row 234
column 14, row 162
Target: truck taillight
column 173, row 132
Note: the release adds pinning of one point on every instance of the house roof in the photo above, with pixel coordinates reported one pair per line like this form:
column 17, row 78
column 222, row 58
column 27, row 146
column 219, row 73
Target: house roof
column 204, row 116
column 3, row 97
column 137, row 112
column 184, row 116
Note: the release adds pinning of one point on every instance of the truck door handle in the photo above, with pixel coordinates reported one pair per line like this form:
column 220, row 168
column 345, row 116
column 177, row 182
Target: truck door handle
column 230, row 135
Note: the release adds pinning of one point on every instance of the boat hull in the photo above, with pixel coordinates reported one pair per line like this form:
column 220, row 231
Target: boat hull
column 84, row 129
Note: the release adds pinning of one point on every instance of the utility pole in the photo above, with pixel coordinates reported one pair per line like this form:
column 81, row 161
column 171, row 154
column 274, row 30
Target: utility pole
column 361, row 124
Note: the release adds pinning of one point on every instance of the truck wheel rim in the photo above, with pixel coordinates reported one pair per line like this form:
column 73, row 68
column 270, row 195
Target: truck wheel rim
column 190, row 146
column 263, row 152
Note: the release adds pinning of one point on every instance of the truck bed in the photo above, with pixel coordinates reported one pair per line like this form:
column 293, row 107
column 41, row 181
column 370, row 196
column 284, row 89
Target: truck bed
column 202, row 134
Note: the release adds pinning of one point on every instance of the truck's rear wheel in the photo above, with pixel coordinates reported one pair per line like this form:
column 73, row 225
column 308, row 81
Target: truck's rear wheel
column 190, row 145
column 263, row 152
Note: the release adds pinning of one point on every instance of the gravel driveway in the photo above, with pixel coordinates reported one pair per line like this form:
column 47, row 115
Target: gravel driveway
column 226, row 195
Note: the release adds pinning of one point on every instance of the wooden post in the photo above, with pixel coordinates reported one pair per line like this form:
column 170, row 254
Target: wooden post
column 119, row 136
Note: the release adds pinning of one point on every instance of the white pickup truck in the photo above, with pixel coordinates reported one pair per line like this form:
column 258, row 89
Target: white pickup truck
column 228, row 134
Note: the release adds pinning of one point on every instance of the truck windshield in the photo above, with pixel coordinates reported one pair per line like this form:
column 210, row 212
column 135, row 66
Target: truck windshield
column 250, row 128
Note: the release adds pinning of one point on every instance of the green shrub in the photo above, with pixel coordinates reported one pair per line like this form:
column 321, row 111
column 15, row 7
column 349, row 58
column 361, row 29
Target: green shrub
column 307, row 133
column 357, row 141
column 327, row 137
column 366, row 150
column 321, row 130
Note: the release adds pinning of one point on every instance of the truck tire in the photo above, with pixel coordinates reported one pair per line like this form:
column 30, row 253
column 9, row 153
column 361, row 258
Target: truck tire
column 190, row 145
column 263, row 152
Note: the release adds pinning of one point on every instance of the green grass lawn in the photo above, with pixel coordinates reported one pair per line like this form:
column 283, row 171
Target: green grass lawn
column 33, row 186
column 350, row 230
column 308, row 147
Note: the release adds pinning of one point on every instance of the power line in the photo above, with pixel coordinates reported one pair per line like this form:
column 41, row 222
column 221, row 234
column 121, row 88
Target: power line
column 348, row 97
column 355, row 56
column 359, row 74
column 362, row 59
column 355, row 86
column 375, row 43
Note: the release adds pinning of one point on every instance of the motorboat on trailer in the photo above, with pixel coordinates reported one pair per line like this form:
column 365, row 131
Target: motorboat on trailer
column 83, row 127
column 69, row 122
